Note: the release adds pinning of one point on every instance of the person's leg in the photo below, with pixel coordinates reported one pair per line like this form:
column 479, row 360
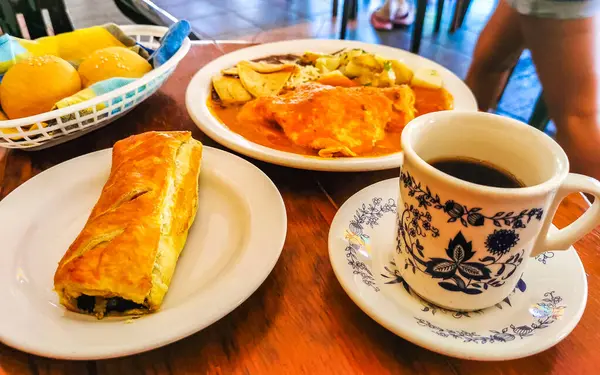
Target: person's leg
column 497, row 51
column 566, row 54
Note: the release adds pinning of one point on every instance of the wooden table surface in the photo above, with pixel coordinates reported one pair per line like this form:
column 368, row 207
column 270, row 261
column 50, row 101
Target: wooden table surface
column 300, row 320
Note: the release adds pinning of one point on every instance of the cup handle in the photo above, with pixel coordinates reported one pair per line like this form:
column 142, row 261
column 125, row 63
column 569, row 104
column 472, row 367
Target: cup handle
column 564, row 238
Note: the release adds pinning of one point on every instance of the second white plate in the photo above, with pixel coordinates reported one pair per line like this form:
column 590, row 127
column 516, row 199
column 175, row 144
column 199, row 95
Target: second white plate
column 199, row 90
column 234, row 243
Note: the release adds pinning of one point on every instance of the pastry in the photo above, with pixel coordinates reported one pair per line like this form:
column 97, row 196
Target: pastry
column 123, row 260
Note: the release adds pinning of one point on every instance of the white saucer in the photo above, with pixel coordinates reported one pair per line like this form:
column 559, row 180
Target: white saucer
column 232, row 246
column 540, row 313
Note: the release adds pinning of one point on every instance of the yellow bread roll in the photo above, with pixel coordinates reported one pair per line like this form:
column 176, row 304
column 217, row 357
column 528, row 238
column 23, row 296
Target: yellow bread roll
column 112, row 62
column 33, row 85
column 76, row 45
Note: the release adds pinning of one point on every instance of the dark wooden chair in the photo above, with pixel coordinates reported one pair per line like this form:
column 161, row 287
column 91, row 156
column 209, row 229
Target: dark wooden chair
column 539, row 118
column 30, row 19
column 460, row 12
column 145, row 12
column 349, row 12
column 417, row 33
column 143, row 15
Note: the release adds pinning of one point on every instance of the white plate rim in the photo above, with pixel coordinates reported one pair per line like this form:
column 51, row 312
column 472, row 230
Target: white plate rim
column 254, row 273
column 450, row 348
column 197, row 94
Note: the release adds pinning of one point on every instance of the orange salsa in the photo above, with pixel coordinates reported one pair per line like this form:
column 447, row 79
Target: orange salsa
column 426, row 100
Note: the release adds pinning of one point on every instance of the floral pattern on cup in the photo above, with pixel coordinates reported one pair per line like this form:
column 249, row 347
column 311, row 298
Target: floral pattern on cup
column 367, row 216
column 466, row 216
column 461, row 271
column 393, row 276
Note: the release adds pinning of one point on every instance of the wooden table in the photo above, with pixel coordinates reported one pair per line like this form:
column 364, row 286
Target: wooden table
column 300, row 320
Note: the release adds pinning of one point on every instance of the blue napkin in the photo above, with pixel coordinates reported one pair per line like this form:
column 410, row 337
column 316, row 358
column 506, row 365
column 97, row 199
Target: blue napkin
column 170, row 43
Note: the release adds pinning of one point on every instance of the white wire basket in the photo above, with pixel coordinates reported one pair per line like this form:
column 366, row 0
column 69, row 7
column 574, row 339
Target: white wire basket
column 51, row 128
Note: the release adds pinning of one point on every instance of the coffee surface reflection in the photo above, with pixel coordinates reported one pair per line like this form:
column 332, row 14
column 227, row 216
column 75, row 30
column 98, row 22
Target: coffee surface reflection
column 477, row 172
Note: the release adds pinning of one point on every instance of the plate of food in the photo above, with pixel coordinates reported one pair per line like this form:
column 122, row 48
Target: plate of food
column 103, row 259
column 330, row 105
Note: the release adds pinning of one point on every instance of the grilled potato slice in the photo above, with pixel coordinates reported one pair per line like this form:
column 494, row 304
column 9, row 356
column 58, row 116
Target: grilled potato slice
column 230, row 90
column 262, row 84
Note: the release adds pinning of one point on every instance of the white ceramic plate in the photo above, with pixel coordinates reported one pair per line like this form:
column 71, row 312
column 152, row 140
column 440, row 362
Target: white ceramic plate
column 233, row 245
column 198, row 92
column 543, row 310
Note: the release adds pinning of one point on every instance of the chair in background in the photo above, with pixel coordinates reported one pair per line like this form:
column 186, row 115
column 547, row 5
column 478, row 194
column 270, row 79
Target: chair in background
column 143, row 15
column 539, row 117
column 145, row 12
column 417, row 31
column 349, row 12
column 34, row 19
column 31, row 19
column 460, row 12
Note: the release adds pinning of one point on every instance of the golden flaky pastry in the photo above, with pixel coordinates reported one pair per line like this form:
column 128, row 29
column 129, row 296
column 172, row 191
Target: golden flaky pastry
column 123, row 260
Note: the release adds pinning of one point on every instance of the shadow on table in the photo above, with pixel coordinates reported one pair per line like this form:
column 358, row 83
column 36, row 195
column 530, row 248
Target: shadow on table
column 236, row 336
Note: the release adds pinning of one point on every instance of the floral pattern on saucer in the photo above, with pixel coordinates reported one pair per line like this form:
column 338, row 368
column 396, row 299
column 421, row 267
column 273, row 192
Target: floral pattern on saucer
column 546, row 312
column 543, row 257
column 367, row 215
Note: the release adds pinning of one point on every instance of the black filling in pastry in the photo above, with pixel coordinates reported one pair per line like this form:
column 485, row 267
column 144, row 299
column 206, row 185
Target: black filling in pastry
column 119, row 304
column 113, row 304
column 86, row 303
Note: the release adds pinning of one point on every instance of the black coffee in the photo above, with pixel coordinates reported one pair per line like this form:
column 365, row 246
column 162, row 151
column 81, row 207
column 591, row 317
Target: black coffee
column 477, row 172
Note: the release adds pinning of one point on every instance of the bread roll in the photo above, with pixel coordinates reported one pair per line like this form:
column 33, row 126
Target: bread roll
column 33, row 85
column 112, row 62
